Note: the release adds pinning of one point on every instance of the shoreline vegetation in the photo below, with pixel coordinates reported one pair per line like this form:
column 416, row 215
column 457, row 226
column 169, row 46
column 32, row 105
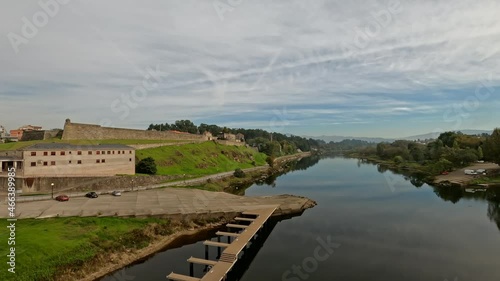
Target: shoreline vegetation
column 436, row 162
column 88, row 248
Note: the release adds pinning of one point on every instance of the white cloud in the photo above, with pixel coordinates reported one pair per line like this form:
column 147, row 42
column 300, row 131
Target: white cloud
column 264, row 54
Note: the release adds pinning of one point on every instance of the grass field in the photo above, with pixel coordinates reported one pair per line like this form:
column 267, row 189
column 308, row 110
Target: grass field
column 21, row 144
column 201, row 158
column 45, row 246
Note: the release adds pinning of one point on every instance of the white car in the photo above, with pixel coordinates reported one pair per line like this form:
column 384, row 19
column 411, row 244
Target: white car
column 116, row 193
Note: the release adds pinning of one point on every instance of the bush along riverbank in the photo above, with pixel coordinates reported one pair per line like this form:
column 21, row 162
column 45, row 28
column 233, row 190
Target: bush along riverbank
column 238, row 183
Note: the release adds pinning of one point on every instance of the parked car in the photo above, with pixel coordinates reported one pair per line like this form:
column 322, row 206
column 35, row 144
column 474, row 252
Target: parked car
column 62, row 198
column 116, row 193
column 91, row 195
column 470, row 172
column 445, row 173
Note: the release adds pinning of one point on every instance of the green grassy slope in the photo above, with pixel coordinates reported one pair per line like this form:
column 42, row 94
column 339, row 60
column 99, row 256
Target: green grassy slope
column 201, row 158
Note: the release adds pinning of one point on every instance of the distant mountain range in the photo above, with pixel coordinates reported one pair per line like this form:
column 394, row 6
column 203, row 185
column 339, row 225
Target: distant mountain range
column 377, row 140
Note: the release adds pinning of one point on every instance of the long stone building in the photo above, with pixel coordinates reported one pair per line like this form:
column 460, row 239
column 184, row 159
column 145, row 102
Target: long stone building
column 67, row 160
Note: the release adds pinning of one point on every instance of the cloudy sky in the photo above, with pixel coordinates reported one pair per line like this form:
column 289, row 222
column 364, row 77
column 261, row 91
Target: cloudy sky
column 383, row 68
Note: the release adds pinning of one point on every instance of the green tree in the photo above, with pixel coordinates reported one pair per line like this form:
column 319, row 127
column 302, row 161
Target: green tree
column 480, row 153
column 448, row 138
column 146, row 166
column 491, row 147
column 399, row 160
column 270, row 161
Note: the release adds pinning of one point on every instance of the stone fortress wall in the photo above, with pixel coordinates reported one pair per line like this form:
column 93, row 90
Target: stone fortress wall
column 78, row 131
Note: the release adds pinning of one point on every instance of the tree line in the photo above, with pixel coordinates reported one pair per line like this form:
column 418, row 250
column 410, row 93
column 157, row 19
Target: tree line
column 450, row 150
column 273, row 144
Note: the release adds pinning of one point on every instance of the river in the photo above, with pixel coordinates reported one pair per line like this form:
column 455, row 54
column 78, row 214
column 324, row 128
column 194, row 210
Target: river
column 369, row 224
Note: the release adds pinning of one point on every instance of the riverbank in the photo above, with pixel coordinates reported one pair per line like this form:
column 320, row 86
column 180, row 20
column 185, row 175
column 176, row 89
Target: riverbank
column 101, row 248
column 455, row 177
column 107, row 263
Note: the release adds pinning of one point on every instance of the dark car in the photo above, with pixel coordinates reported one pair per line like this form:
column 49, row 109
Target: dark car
column 62, row 198
column 91, row 195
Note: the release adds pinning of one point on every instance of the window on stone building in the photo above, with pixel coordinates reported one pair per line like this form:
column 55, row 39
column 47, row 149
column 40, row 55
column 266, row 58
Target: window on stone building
column 63, row 153
column 52, row 163
column 97, row 152
column 79, row 153
column 130, row 151
column 79, row 162
column 69, row 162
column 119, row 152
column 130, row 159
column 109, row 152
column 33, row 164
column 53, row 153
column 98, row 161
column 103, row 160
column 113, row 152
column 45, row 153
column 33, row 153
column 45, row 163
column 90, row 152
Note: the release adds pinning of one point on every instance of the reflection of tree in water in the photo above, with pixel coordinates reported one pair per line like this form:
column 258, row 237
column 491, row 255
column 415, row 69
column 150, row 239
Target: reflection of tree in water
column 302, row 164
column 449, row 193
column 493, row 196
column 494, row 212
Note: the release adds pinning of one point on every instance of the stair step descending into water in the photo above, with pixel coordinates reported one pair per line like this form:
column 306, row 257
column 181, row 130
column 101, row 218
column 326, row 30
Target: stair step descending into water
column 179, row 277
column 230, row 234
column 225, row 257
column 216, row 244
column 244, row 219
column 201, row 261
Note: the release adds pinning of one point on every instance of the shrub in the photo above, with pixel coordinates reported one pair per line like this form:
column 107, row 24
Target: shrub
column 146, row 166
column 239, row 173
column 270, row 160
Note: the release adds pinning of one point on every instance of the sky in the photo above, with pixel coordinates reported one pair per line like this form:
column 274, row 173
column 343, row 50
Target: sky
column 384, row 68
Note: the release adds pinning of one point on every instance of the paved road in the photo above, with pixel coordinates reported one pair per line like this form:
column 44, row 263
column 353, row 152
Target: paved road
column 140, row 188
column 165, row 201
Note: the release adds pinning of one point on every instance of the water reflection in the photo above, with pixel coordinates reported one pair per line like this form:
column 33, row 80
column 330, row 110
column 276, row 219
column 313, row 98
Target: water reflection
column 154, row 268
column 452, row 193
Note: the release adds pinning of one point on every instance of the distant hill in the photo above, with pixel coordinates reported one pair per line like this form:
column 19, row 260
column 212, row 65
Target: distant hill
column 436, row 134
column 341, row 138
column 377, row 140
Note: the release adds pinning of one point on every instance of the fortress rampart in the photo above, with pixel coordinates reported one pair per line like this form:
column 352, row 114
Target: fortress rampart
column 78, row 131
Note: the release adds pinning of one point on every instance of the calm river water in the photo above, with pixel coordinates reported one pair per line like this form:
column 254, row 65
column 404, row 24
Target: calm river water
column 380, row 226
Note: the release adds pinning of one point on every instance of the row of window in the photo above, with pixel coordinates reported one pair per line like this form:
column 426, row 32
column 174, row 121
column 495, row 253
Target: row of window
column 53, row 163
column 53, row 153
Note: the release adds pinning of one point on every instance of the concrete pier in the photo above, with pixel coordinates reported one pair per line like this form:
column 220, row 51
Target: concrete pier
column 166, row 202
